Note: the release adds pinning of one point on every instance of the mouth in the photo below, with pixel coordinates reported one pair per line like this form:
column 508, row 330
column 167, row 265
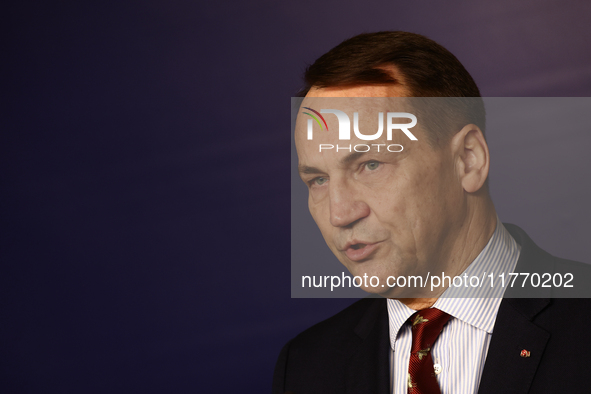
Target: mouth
column 359, row 251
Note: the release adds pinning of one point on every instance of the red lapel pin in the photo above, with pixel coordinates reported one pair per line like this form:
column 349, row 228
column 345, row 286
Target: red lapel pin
column 525, row 353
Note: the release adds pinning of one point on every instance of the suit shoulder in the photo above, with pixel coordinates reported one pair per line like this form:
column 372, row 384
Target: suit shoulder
column 317, row 359
column 565, row 264
column 341, row 324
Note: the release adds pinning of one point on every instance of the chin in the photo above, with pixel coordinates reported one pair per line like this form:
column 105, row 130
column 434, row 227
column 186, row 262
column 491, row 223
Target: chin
column 375, row 282
column 392, row 292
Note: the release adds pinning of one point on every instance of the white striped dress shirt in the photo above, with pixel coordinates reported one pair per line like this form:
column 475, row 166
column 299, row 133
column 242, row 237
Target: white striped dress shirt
column 463, row 344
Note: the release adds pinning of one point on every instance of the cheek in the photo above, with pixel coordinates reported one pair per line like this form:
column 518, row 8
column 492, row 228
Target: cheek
column 410, row 202
column 320, row 215
column 314, row 208
column 397, row 194
column 317, row 196
column 390, row 208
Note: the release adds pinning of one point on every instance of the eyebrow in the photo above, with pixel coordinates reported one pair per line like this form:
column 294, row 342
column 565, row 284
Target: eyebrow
column 308, row 170
column 351, row 157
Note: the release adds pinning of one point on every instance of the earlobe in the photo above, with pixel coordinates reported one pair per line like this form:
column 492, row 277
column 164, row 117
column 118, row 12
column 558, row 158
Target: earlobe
column 473, row 157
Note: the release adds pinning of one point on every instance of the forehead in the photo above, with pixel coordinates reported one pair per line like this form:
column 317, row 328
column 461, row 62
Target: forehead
column 321, row 119
column 361, row 99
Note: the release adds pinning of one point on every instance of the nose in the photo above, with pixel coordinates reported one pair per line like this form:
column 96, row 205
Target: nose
column 346, row 206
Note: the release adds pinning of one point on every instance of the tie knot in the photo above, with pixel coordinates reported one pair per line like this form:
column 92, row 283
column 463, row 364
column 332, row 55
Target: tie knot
column 426, row 327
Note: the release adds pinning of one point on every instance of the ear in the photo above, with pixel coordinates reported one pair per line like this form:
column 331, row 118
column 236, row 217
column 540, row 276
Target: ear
column 472, row 157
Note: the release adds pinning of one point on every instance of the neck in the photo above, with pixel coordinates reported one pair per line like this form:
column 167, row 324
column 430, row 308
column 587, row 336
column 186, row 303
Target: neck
column 470, row 240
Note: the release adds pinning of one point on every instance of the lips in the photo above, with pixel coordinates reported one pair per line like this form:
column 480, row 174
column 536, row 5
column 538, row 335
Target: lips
column 358, row 251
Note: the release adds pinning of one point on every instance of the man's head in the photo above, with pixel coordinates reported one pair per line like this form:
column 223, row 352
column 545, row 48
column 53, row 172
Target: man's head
column 416, row 65
column 388, row 213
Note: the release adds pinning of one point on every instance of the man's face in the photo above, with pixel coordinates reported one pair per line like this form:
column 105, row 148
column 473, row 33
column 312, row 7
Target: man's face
column 381, row 213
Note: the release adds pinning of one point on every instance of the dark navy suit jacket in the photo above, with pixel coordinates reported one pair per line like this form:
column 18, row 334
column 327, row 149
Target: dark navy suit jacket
column 349, row 352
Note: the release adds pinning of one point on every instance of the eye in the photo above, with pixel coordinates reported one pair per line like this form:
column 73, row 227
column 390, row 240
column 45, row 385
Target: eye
column 372, row 165
column 319, row 181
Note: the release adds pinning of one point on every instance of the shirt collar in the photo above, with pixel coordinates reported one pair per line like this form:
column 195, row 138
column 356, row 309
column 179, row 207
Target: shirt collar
column 478, row 307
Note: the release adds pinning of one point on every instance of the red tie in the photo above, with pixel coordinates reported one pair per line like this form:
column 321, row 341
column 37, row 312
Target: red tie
column 426, row 327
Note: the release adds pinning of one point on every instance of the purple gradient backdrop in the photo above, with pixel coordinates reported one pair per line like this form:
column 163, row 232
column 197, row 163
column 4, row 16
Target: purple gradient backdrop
column 144, row 161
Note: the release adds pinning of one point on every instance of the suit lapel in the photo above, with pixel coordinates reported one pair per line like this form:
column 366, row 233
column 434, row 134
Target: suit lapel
column 505, row 371
column 368, row 369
